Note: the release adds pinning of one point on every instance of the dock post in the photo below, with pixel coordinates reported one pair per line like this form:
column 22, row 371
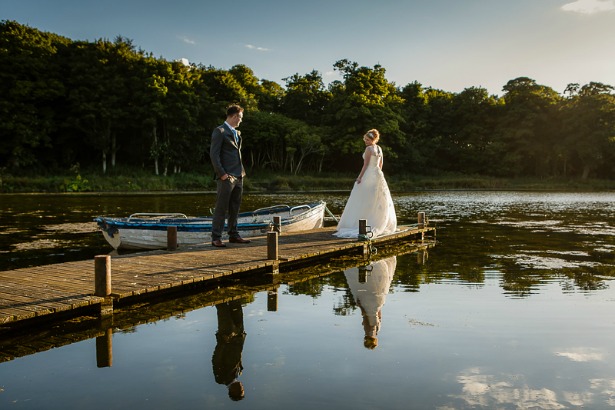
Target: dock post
column 272, row 251
column 171, row 238
column 102, row 284
column 272, row 246
column 277, row 224
column 421, row 220
column 102, row 275
column 362, row 226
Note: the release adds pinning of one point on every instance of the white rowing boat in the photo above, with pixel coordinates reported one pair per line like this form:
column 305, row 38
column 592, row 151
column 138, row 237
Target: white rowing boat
column 149, row 230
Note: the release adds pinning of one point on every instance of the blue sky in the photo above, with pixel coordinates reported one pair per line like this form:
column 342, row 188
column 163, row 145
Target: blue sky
column 444, row 44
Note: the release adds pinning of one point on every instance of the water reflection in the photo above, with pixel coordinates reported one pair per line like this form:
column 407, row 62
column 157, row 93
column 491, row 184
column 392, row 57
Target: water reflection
column 513, row 308
column 369, row 285
column 484, row 390
column 226, row 360
column 444, row 342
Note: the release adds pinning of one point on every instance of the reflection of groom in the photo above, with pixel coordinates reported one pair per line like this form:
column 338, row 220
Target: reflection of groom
column 226, row 360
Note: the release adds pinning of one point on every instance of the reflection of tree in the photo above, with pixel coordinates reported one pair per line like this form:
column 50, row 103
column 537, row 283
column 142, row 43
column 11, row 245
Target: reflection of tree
column 526, row 252
column 588, row 278
column 520, row 283
column 346, row 305
column 323, row 276
column 523, row 254
column 523, row 282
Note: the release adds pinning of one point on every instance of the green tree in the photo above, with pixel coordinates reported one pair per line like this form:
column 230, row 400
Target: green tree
column 415, row 113
column 99, row 94
column 528, row 128
column 305, row 98
column 270, row 96
column 588, row 128
column 364, row 100
column 30, row 87
column 440, row 142
column 225, row 89
column 474, row 113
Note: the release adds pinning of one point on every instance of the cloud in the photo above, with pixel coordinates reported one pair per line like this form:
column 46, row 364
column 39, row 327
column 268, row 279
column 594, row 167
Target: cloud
column 251, row 47
column 184, row 61
column 187, row 40
column 589, row 6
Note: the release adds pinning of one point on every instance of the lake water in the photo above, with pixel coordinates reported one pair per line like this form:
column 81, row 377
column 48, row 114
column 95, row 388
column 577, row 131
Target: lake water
column 514, row 307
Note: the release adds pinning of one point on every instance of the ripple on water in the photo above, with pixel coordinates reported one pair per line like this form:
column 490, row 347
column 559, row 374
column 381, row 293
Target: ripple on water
column 41, row 244
column 528, row 260
column 84, row 227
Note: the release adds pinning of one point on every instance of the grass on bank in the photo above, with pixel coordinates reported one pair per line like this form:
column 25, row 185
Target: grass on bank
column 141, row 181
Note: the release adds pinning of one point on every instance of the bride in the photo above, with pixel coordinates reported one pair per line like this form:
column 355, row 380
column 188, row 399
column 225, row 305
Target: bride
column 370, row 198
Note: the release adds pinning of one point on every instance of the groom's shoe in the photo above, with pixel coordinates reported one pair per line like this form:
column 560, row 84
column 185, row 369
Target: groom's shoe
column 238, row 239
column 218, row 243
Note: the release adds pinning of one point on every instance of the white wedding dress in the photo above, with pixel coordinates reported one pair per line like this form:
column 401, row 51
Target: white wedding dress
column 370, row 200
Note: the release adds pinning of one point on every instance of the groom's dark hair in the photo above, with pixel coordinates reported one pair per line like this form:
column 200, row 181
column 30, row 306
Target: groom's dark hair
column 233, row 109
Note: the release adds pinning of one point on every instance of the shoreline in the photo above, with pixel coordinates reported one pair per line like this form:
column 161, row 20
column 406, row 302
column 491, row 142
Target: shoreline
column 189, row 184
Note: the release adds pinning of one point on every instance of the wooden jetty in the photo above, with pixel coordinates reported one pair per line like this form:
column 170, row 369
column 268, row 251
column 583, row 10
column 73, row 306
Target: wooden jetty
column 33, row 340
column 45, row 293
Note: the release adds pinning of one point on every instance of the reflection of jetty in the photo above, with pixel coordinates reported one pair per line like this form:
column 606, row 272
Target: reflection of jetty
column 15, row 344
column 35, row 295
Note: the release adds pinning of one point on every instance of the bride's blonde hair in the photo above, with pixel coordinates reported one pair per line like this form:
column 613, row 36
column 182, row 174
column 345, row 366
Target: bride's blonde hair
column 373, row 135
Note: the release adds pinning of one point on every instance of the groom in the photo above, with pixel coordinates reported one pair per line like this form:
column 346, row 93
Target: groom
column 225, row 154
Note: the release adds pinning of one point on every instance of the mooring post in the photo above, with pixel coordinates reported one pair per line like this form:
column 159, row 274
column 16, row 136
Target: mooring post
column 362, row 226
column 272, row 246
column 421, row 219
column 102, row 275
column 171, row 238
column 102, row 283
column 277, row 224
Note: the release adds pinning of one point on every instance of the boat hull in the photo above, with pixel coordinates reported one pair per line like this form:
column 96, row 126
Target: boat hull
column 140, row 233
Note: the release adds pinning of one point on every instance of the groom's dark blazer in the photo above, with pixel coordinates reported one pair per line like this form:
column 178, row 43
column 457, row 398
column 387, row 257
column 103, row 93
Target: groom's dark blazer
column 225, row 153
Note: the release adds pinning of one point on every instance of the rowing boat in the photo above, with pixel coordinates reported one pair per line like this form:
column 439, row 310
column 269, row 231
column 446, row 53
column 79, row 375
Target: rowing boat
column 149, row 230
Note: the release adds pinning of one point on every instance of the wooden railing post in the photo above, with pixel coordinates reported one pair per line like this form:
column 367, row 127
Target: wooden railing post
column 421, row 219
column 277, row 224
column 171, row 238
column 362, row 226
column 102, row 275
column 272, row 246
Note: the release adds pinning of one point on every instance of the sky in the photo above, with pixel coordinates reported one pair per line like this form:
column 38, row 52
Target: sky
column 444, row 44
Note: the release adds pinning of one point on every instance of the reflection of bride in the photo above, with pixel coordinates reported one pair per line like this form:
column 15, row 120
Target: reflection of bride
column 370, row 198
column 369, row 287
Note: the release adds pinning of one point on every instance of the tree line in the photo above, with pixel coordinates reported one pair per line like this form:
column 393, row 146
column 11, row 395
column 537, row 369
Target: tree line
column 106, row 103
